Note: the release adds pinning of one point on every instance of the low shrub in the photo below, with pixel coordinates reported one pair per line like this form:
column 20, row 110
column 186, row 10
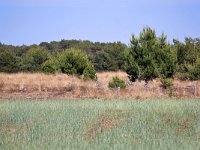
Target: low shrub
column 166, row 83
column 183, row 76
column 75, row 62
column 195, row 72
column 116, row 83
column 89, row 73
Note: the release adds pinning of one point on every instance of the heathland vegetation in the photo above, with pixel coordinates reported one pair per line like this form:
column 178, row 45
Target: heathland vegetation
column 148, row 56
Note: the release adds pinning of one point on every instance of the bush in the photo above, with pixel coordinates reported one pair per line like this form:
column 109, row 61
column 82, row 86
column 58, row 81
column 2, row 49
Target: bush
column 9, row 62
column 166, row 83
column 194, row 73
column 189, row 72
column 117, row 82
column 49, row 66
column 34, row 59
column 89, row 73
column 75, row 62
column 183, row 76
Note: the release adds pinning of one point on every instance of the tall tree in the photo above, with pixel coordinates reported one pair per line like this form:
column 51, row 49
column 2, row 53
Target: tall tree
column 150, row 56
column 112, row 58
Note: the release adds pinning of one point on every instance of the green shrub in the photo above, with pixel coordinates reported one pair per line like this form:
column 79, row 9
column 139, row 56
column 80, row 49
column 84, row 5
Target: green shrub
column 166, row 83
column 49, row 66
column 34, row 58
column 183, row 76
column 89, row 73
column 194, row 73
column 9, row 62
column 117, row 82
column 75, row 62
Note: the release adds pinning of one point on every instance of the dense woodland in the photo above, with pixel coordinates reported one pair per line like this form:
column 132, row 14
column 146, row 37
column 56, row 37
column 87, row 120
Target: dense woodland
column 147, row 56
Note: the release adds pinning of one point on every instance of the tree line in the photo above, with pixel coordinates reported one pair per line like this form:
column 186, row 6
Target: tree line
column 147, row 56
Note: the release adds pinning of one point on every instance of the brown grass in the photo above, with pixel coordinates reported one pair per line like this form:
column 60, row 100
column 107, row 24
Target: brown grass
column 38, row 85
column 108, row 120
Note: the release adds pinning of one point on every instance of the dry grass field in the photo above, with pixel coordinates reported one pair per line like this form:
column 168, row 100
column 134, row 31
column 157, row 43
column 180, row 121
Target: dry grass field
column 38, row 85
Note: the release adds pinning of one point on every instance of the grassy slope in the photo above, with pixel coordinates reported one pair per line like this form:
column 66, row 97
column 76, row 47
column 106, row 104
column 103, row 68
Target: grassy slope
column 90, row 124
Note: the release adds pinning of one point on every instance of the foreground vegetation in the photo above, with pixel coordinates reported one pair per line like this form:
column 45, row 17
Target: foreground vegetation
column 99, row 124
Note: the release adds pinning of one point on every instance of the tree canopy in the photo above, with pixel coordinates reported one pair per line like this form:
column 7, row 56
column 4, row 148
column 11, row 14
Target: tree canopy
column 150, row 57
column 146, row 57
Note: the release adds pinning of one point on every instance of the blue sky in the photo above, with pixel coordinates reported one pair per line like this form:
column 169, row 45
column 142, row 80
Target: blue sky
column 35, row 21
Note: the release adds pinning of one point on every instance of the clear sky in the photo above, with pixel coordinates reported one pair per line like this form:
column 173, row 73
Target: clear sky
column 35, row 21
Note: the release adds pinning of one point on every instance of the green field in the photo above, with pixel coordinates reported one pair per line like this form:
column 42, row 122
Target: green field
column 99, row 124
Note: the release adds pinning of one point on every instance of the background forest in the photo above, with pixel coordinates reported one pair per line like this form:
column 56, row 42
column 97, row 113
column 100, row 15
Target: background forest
column 146, row 57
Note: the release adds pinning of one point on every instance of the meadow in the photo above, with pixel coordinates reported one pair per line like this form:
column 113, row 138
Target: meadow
column 100, row 124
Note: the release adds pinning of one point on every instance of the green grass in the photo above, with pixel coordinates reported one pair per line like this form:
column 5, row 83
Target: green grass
column 99, row 125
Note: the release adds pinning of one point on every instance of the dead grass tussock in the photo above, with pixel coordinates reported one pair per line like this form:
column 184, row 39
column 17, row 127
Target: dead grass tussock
column 108, row 120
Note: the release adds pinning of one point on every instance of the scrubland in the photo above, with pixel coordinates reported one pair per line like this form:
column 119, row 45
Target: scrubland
column 39, row 85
